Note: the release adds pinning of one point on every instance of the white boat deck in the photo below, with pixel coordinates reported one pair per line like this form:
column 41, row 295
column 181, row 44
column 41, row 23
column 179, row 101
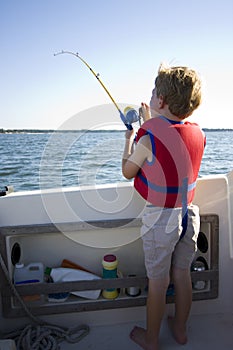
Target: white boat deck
column 213, row 332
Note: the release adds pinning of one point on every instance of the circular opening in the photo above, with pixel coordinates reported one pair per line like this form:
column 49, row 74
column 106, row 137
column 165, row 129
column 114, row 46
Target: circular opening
column 203, row 261
column 202, row 242
column 15, row 253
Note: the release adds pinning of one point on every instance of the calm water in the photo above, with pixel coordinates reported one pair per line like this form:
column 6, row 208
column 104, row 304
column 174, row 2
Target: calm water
column 43, row 160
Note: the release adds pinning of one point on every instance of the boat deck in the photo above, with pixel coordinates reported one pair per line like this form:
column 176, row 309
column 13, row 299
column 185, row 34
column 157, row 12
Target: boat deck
column 212, row 331
column 211, row 320
column 204, row 332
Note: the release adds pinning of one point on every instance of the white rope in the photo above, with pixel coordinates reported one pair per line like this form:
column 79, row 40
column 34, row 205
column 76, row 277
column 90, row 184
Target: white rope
column 41, row 335
column 46, row 337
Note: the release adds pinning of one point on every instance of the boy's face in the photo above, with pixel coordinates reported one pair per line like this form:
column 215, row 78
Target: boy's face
column 154, row 104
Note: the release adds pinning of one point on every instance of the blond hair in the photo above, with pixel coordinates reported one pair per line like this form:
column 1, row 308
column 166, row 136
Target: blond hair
column 180, row 88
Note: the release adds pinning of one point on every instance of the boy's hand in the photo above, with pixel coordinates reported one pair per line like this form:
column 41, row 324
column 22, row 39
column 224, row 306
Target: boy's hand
column 144, row 111
column 129, row 141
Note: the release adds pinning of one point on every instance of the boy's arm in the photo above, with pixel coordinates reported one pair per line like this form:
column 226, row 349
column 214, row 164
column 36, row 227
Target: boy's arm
column 133, row 159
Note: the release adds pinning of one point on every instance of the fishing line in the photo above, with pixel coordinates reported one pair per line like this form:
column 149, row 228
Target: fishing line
column 122, row 116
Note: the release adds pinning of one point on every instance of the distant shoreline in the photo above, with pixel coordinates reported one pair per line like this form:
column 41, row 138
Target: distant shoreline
column 43, row 131
column 50, row 131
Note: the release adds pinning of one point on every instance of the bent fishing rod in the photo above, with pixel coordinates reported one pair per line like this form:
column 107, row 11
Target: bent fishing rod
column 122, row 116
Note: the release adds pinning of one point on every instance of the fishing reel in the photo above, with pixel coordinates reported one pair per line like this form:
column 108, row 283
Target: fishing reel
column 131, row 115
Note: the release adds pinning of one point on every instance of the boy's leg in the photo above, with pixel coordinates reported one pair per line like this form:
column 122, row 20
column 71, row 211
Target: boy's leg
column 183, row 301
column 156, row 302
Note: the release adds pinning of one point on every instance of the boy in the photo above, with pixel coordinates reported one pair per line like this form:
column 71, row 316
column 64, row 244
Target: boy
column 165, row 165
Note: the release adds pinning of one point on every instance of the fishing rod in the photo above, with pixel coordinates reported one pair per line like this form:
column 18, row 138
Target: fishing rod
column 131, row 114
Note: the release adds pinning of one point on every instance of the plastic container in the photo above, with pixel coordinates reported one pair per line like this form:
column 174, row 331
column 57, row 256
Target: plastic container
column 55, row 297
column 110, row 271
column 7, row 344
column 31, row 273
column 133, row 291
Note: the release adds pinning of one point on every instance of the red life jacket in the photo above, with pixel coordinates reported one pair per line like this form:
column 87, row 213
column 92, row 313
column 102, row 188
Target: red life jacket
column 169, row 180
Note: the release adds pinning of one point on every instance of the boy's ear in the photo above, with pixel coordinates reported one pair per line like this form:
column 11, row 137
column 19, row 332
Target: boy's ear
column 161, row 101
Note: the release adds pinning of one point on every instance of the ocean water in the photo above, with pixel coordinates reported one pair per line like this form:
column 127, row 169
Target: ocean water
column 32, row 161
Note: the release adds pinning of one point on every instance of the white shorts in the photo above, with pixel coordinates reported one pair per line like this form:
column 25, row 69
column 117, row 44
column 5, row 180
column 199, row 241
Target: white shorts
column 162, row 245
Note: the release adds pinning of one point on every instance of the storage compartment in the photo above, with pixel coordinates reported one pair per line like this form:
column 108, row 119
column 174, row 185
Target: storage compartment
column 86, row 245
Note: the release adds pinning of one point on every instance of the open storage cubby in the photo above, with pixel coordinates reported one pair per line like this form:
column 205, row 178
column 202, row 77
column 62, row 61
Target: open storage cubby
column 38, row 240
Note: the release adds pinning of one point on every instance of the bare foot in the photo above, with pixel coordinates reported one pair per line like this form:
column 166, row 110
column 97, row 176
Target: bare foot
column 138, row 335
column 179, row 334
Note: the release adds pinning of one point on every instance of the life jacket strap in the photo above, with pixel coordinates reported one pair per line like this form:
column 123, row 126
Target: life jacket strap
column 167, row 189
column 184, row 207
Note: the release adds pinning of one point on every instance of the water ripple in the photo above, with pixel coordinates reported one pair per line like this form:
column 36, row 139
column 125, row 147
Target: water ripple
column 32, row 161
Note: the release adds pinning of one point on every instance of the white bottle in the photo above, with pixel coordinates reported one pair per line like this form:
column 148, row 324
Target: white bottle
column 31, row 273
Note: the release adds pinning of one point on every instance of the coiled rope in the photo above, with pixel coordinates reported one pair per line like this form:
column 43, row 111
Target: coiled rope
column 40, row 335
column 46, row 337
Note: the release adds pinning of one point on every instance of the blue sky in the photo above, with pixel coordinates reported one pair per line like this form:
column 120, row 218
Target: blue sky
column 124, row 41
